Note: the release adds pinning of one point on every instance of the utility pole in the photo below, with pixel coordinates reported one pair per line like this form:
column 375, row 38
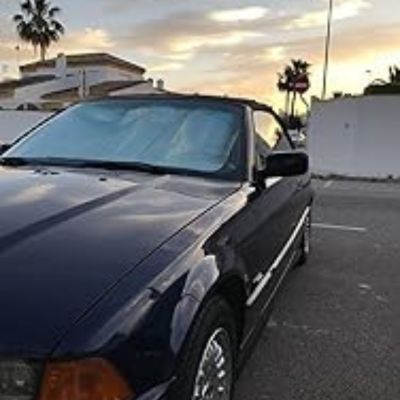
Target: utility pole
column 327, row 50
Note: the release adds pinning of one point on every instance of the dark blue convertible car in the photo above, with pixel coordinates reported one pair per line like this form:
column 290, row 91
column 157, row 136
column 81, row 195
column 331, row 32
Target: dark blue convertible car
column 142, row 240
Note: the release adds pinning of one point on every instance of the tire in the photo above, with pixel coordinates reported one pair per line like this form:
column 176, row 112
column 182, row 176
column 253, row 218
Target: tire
column 210, row 348
column 305, row 244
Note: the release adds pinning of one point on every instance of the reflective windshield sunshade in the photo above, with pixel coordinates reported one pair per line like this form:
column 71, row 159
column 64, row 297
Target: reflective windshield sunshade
column 18, row 380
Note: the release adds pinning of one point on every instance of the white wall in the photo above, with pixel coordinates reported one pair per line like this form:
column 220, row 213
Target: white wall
column 15, row 123
column 357, row 137
column 94, row 75
column 33, row 93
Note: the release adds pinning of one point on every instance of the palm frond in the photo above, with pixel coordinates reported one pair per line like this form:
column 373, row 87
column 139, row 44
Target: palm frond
column 57, row 26
column 42, row 7
column 54, row 11
column 18, row 18
column 27, row 7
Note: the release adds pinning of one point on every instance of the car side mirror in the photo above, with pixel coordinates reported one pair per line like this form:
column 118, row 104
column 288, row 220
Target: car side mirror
column 286, row 164
column 4, row 147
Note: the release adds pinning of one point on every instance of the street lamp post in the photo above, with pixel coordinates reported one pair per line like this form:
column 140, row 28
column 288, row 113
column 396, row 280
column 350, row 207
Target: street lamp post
column 327, row 49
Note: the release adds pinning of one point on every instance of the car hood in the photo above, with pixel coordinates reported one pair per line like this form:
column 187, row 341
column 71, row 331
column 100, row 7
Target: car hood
column 67, row 237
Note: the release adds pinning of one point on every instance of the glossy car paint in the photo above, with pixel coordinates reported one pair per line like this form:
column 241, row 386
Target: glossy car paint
column 118, row 264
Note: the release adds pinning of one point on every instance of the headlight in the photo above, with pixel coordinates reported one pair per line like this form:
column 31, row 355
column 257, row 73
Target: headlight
column 19, row 380
column 89, row 379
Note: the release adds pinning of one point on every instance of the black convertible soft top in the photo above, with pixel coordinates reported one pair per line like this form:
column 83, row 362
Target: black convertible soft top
column 191, row 97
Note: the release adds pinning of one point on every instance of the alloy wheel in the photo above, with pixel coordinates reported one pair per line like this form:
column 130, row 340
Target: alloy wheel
column 215, row 371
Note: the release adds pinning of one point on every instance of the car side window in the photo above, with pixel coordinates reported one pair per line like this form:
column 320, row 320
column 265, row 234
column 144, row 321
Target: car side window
column 283, row 143
column 267, row 128
column 269, row 136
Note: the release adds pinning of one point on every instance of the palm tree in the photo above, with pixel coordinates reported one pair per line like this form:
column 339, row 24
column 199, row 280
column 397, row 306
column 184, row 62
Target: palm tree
column 295, row 79
column 37, row 24
column 301, row 76
column 285, row 84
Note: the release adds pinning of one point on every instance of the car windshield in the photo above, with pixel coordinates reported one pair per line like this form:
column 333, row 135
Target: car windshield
column 178, row 136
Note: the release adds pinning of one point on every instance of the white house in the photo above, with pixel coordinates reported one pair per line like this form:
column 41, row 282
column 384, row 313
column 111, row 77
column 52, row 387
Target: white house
column 55, row 83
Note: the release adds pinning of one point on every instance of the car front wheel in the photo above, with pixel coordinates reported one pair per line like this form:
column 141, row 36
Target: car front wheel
column 207, row 367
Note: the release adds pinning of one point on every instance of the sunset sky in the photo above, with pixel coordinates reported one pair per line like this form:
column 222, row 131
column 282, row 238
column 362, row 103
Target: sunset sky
column 226, row 46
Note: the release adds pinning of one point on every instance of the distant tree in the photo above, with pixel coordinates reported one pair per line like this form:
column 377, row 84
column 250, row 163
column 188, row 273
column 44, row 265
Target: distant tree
column 37, row 24
column 295, row 80
column 394, row 75
column 390, row 86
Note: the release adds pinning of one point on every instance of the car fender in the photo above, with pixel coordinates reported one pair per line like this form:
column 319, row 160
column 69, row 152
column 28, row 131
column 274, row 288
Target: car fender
column 203, row 282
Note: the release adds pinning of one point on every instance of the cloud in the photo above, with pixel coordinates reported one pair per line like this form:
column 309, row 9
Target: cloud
column 9, row 54
column 251, row 70
column 86, row 40
column 276, row 53
column 166, row 67
column 350, row 45
column 239, row 14
column 180, row 56
column 201, row 52
column 258, row 83
column 123, row 6
column 79, row 41
column 190, row 43
column 182, row 35
column 231, row 50
column 343, row 10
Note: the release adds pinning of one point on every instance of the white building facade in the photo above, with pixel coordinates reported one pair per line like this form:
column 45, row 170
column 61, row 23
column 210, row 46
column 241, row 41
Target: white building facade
column 55, row 83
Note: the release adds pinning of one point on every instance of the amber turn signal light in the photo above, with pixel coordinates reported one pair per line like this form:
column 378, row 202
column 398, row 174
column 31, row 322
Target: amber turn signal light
column 89, row 379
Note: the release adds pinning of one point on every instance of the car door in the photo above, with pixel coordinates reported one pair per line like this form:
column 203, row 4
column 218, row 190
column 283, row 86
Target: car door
column 275, row 209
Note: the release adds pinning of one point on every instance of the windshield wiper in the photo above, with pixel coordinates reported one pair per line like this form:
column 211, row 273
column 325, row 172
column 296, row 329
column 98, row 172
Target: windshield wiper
column 108, row 165
column 42, row 161
column 14, row 161
column 122, row 166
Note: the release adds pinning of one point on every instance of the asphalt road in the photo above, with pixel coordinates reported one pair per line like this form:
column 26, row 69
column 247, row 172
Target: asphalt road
column 335, row 328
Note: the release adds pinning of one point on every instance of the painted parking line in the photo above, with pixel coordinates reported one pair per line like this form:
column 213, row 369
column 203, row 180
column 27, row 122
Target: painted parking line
column 340, row 227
